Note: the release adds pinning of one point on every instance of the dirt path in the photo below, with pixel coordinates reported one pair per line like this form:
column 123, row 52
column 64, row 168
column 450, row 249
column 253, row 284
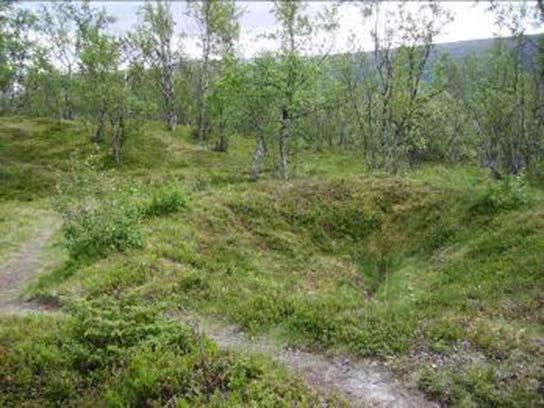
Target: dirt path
column 20, row 268
column 364, row 383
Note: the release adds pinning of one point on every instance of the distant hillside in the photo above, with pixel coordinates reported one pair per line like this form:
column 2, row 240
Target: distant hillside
column 461, row 49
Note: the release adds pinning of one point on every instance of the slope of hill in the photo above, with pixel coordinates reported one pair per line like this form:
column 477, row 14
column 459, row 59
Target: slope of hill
column 460, row 50
column 435, row 275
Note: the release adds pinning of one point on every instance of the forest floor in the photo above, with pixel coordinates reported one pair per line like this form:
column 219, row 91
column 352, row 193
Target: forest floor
column 173, row 280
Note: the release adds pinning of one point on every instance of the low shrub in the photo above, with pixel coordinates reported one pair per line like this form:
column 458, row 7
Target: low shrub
column 478, row 384
column 508, row 194
column 96, row 232
column 164, row 201
column 101, row 218
column 104, row 331
column 109, row 352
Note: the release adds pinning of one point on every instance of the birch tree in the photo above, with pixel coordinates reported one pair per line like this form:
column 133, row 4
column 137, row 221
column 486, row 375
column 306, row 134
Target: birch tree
column 219, row 28
column 62, row 49
column 17, row 45
column 155, row 39
column 295, row 29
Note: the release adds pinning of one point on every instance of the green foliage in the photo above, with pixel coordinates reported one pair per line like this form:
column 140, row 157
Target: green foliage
column 164, row 201
column 375, row 265
column 476, row 385
column 33, row 152
column 102, row 216
column 83, row 350
column 507, row 194
column 91, row 233
column 112, row 224
column 535, row 173
column 121, row 352
column 504, row 104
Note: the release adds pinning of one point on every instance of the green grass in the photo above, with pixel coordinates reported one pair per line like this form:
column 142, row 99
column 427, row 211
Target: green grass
column 33, row 152
column 438, row 270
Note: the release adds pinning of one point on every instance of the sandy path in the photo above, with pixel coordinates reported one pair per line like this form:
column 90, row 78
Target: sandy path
column 20, row 268
column 364, row 383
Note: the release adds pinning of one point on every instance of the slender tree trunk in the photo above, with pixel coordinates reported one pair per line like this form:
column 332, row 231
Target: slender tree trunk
column 118, row 127
column 285, row 136
column 100, row 133
column 171, row 116
column 203, row 91
column 258, row 157
column 383, row 135
column 202, row 119
column 171, row 119
column 68, row 109
column 223, row 142
column 491, row 158
column 369, row 139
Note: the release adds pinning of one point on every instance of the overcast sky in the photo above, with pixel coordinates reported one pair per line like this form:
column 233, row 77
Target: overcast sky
column 471, row 20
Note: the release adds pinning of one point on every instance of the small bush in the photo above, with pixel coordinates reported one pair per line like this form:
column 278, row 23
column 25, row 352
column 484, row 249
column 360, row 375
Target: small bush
column 93, row 233
column 508, row 194
column 263, row 309
column 164, row 201
column 104, row 332
column 102, row 217
column 97, row 229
